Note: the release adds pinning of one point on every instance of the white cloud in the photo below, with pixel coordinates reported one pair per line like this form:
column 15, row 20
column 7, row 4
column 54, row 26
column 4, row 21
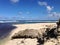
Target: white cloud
column 20, row 13
column 42, row 3
column 54, row 14
column 48, row 7
column 14, row 1
column 49, row 10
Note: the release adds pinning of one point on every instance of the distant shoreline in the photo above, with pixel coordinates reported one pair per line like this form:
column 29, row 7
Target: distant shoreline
column 26, row 21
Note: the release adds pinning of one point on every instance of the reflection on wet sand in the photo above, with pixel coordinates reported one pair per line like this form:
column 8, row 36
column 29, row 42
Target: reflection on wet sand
column 5, row 29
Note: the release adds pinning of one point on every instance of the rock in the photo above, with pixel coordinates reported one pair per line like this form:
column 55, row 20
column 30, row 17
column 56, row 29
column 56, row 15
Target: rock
column 58, row 28
column 28, row 33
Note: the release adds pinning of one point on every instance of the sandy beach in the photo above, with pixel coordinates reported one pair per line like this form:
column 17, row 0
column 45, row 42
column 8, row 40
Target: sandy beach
column 20, row 27
column 32, row 26
column 22, row 41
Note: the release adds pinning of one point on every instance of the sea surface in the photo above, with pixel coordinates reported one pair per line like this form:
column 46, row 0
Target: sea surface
column 27, row 21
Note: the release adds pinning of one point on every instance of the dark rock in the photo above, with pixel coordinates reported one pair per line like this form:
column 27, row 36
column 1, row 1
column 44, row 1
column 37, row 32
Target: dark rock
column 28, row 33
column 58, row 28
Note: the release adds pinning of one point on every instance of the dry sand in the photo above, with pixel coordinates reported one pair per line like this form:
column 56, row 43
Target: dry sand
column 21, row 27
column 37, row 26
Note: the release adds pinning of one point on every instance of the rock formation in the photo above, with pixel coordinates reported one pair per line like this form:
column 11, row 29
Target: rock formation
column 28, row 33
column 58, row 28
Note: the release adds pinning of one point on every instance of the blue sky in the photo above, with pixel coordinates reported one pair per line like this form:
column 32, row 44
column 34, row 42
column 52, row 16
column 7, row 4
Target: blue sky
column 30, row 9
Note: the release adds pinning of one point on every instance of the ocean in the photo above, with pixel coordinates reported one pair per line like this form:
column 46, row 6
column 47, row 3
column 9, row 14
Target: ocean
column 27, row 21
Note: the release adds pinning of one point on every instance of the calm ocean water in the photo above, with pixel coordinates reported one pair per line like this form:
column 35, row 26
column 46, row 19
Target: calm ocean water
column 27, row 21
